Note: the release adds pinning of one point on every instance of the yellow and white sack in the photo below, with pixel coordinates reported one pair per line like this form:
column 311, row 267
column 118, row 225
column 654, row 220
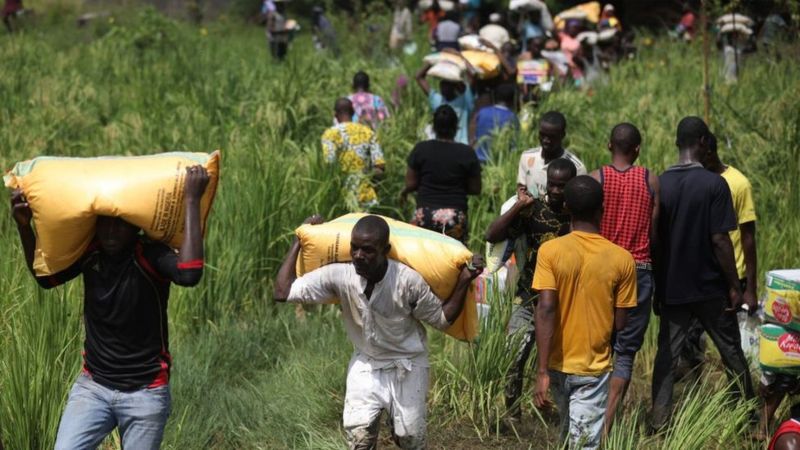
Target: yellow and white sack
column 67, row 194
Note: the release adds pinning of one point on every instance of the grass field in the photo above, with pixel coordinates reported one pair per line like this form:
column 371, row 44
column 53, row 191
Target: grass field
column 250, row 375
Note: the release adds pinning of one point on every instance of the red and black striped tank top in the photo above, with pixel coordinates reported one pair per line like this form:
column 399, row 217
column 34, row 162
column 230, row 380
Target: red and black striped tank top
column 627, row 209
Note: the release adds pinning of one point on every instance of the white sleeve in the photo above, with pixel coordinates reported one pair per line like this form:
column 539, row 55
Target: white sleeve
column 317, row 286
column 428, row 307
column 522, row 170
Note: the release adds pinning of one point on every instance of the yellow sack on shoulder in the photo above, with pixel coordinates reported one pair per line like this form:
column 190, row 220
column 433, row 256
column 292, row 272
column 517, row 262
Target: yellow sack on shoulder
column 438, row 258
column 67, row 194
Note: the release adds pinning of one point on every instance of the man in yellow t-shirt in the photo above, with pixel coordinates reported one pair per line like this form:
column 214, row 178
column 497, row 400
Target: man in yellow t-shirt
column 354, row 147
column 744, row 237
column 586, row 286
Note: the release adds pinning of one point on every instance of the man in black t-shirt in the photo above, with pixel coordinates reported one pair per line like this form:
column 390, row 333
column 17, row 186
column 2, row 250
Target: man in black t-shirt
column 536, row 220
column 695, row 268
column 125, row 378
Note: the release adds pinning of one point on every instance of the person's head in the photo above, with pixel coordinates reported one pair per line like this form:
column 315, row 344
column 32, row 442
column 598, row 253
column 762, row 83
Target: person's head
column 559, row 172
column 505, row 94
column 552, row 131
column 608, row 10
column 343, row 110
column 584, row 199
column 451, row 15
column 693, row 136
column 450, row 89
column 369, row 246
column 625, row 140
column 535, row 46
column 361, row 81
column 573, row 27
column 115, row 235
column 281, row 7
column 445, row 123
column 495, row 18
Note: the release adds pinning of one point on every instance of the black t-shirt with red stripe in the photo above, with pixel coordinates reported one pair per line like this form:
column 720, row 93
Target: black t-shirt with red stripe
column 125, row 312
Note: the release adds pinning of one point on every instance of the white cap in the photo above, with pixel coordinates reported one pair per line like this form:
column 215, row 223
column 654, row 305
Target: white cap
column 495, row 17
column 608, row 7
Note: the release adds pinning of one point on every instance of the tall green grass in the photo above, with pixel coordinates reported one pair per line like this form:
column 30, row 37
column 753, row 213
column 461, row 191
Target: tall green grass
column 250, row 375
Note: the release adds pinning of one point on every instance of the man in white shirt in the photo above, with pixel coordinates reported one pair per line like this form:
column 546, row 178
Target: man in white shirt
column 532, row 173
column 383, row 304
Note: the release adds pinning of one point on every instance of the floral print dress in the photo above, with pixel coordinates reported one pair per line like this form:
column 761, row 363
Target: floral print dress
column 357, row 151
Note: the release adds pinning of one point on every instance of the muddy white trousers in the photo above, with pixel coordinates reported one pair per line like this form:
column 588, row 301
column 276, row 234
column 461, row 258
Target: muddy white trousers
column 400, row 388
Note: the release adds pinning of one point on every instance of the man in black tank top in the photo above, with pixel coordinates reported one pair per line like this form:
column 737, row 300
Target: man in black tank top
column 125, row 378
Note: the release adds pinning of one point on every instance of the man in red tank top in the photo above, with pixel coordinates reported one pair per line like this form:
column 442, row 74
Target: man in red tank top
column 630, row 211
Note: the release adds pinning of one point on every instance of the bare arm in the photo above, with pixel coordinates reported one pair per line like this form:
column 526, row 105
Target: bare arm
column 287, row 273
column 498, row 230
column 723, row 250
column 595, row 174
column 620, row 318
column 421, row 81
column 412, row 184
column 455, row 303
column 545, row 326
column 22, row 214
column 192, row 246
column 473, row 126
column 748, row 232
column 378, row 171
column 656, row 213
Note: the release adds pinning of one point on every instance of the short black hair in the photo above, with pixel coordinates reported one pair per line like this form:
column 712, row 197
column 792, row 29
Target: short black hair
column 505, row 93
column 374, row 225
column 625, row 137
column 361, row 80
column 554, row 118
column 445, row 122
column 342, row 106
column 691, row 130
column 584, row 197
column 562, row 165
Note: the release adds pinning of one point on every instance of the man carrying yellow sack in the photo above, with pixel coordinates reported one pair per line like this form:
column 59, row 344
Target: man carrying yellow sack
column 125, row 378
column 384, row 303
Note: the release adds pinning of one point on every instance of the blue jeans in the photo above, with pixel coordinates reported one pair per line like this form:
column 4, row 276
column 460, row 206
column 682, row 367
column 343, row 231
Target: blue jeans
column 581, row 402
column 93, row 411
column 629, row 340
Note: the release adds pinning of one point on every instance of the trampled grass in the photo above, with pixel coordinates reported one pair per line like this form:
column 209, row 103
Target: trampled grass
column 250, row 375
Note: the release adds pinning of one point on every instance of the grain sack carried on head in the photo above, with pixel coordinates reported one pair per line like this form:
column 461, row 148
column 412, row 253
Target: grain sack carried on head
column 438, row 258
column 67, row 194
column 783, row 298
column 779, row 350
column 487, row 64
column 446, row 70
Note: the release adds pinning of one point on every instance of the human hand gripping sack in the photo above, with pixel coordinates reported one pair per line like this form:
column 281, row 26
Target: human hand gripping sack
column 196, row 182
column 20, row 209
